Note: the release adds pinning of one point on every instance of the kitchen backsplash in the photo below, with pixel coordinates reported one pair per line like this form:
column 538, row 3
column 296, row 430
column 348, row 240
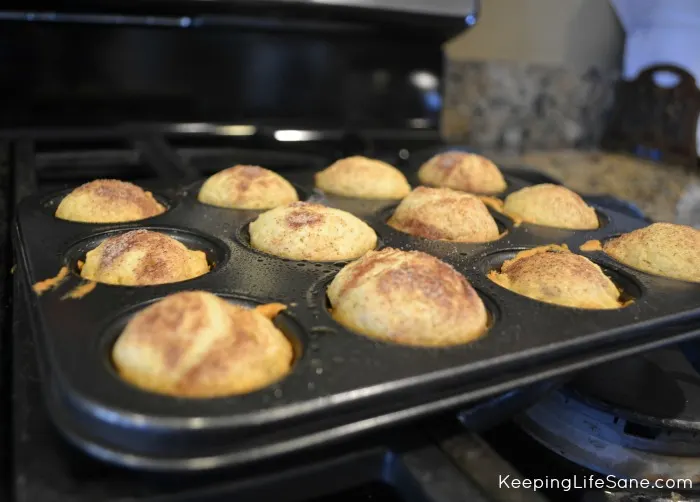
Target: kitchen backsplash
column 522, row 106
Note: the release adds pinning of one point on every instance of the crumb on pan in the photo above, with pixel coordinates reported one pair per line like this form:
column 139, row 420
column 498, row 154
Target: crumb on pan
column 270, row 310
column 592, row 245
column 42, row 287
column 80, row 291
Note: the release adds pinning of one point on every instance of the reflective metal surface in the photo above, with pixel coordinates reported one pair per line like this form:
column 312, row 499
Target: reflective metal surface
column 587, row 437
column 100, row 74
column 439, row 7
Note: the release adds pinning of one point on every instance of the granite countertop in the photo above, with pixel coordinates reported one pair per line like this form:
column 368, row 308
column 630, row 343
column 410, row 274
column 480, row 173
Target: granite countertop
column 664, row 192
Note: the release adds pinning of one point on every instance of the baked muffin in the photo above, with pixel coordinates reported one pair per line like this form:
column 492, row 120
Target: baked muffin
column 363, row 178
column 553, row 274
column 664, row 249
column 462, row 171
column 108, row 201
column 247, row 187
column 444, row 214
column 307, row 231
column 407, row 297
column 142, row 258
column 551, row 206
column 194, row 344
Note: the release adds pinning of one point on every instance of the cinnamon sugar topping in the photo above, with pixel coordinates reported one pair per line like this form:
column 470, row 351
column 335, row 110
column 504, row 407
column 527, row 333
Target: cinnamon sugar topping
column 42, row 287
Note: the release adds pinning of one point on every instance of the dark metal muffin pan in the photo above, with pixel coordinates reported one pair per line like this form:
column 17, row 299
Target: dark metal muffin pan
column 341, row 383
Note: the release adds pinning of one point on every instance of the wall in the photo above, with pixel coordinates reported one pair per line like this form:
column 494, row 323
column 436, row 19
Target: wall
column 576, row 34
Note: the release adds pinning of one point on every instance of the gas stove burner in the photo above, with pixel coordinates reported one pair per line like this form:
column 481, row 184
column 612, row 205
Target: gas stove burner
column 602, row 442
column 659, row 390
column 637, row 418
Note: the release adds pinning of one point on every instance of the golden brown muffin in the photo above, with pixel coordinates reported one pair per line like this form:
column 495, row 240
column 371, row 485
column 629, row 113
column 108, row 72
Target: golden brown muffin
column 664, row 249
column 363, row 178
column 143, row 258
column 553, row 274
column 407, row 297
column 194, row 344
column 551, row 206
column 306, row 231
column 108, row 201
column 444, row 214
column 462, row 171
column 247, row 187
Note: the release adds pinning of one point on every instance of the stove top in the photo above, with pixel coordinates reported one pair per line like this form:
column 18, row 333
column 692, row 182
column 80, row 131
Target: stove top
column 620, row 428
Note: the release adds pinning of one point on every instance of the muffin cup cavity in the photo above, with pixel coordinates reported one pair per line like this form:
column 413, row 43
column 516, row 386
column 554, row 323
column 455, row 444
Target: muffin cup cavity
column 294, row 333
column 545, row 230
column 404, row 240
column 359, row 207
column 304, row 194
column 630, row 288
column 603, row 219
column 216, row 250
column 504, row 223
column 500, row 194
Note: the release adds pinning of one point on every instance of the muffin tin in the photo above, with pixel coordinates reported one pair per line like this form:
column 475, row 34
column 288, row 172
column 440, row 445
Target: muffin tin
column 341, row 383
